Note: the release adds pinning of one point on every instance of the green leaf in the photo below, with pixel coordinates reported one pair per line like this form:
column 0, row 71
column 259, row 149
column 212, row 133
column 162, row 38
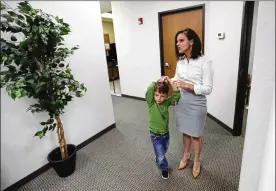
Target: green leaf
column 4, row 58
column 34, row 28
column 65, row 24
column 12, row 69
column 33, row 11
column 10, row 19
column 67, row 29
column 23, row 92
column 57, row 18
column 75, row 48
column 78, row 94
column 17, row 94
column 13, row 38
column 11, row 13
column 29, row 19
column 19, row 84
column 51, row 127
column 50, row 121
column 23, row 44
column 84, row 88
column 4, row 15
column 24, row 6
column 61, row 65
column 69, row 98
column 42, row 123
column 15, row 29
column 54, row 126
column 12, row 94
column 20, row 23
column 45, row 130
column 40, row 134
column 21, row 17
column 59, row 102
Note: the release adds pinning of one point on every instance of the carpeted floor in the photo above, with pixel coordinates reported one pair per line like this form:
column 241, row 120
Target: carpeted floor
column 123, row 159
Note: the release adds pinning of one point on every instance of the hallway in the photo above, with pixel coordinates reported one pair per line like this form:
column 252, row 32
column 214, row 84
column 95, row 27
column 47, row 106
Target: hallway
column 123, row 159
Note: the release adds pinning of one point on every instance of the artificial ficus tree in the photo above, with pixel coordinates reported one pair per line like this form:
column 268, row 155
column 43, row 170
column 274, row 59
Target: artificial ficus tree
column 36, row 65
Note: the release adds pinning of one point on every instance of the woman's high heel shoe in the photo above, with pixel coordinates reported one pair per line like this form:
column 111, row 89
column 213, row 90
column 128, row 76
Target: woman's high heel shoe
column 184, row 162
column 196, row 169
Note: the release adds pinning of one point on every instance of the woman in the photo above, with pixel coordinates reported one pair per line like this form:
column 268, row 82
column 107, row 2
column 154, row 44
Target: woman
column 194, row 77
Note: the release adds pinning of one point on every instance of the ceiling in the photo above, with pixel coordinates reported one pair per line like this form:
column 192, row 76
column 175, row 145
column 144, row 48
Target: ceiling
column 105, row 6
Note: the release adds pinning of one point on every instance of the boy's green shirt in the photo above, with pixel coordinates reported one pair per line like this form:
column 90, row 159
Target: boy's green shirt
column 158, row 113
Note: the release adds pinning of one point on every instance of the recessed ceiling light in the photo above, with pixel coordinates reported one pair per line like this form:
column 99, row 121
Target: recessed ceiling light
column 107, row 15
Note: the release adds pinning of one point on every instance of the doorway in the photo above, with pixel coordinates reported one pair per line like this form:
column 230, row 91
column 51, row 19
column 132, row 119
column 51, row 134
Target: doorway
column 245, row 68
column 110, row 48
column 170, row 22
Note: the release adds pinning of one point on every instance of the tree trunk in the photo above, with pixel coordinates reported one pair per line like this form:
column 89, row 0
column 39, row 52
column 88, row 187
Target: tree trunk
column 61, row 139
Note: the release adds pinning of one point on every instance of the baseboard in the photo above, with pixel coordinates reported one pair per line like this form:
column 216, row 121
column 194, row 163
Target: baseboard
column 208, row 114
column 220, row 123
column 133, row 97
column 47, row 166
column 91, row 139
column 28, row 178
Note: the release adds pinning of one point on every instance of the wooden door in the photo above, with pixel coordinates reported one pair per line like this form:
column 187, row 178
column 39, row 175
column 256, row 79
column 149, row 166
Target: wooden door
column 171, row 22
column 106, row 39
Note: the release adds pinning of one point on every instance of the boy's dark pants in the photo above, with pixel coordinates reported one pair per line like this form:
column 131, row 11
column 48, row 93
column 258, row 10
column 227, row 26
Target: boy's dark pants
column 160, row 145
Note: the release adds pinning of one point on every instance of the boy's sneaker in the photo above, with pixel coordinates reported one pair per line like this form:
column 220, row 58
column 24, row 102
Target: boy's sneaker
column 165, row 174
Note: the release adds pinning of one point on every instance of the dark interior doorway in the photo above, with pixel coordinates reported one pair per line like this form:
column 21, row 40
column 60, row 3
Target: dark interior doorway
column 242, row 85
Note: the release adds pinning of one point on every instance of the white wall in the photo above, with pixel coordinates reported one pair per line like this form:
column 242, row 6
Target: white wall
column 262, row 90
column 21, row 153
column 139, row 55
column 267, row 177
column 108, row 28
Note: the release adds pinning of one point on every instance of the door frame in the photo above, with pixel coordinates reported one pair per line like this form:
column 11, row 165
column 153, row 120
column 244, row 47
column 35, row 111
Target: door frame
column 169, row 12
column 245, row 45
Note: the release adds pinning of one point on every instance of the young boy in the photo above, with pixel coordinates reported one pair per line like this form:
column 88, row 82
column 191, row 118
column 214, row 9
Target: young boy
column 158, row 104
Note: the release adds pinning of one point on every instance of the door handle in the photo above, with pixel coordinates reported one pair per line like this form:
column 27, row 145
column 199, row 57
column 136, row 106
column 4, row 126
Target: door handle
column 166, row 65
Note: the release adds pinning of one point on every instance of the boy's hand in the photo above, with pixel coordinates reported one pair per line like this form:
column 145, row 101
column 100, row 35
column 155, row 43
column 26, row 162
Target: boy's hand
column 161, row 79
column 165, row 79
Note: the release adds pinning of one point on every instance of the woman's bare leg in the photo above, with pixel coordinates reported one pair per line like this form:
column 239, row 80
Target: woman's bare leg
column 187, row 145
column 197, row 149
column 187, row 141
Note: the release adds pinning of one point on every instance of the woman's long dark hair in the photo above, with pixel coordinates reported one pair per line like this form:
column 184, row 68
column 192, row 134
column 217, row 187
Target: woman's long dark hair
column 196, row 48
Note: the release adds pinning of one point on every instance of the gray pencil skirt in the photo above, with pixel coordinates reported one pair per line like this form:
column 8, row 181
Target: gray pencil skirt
column 190, row 113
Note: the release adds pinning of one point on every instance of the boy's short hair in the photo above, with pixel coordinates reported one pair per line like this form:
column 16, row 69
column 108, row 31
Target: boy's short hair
column 161, row 87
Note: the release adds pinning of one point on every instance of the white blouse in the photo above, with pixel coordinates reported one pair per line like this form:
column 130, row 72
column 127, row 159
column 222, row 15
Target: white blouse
column 198, row 72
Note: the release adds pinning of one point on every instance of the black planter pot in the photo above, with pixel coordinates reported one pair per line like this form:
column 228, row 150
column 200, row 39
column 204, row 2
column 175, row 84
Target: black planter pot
column 65, row 167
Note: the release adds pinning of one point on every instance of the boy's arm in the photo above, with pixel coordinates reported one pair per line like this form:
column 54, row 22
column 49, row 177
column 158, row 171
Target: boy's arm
column 150, row 93
column 172, row 100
